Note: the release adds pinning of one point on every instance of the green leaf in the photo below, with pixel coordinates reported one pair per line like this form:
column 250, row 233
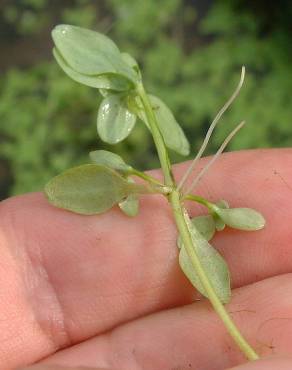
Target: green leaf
column 107, row 92
column 222, row 204
column 109, row 159
column 89, row 52
column 114, row 120
column 130, row 61
column 241, row 218
column 205, row 225
column 90, row 189
column 105, row 81
column 219, row 224
column 130, row 206
column 212, row 262
column 172, row 133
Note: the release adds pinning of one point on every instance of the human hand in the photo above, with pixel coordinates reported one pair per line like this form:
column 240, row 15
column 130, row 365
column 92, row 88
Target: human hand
column 106, row 291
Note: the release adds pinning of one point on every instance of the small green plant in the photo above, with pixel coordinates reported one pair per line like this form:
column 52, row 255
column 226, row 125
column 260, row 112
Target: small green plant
column 94, row 60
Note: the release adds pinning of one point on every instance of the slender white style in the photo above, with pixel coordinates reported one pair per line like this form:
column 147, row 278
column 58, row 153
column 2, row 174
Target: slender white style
column 211, row 129
column 213, row 159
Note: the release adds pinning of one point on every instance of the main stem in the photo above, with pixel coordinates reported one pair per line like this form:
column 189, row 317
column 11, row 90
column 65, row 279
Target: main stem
column 179, row 215
column 157, row 137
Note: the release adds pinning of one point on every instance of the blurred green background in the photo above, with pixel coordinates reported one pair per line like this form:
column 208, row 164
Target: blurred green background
column 190, row 52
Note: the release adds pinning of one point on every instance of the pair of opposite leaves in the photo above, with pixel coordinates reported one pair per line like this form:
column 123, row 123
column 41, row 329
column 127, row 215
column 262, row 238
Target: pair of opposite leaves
column 95, row 188
column 202, row 229
column 94, row 60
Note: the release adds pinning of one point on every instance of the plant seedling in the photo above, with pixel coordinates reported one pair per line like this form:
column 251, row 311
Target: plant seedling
column 92, row 59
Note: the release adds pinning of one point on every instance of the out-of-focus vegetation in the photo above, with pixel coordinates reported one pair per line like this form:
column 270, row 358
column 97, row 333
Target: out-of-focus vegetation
column 190, row 55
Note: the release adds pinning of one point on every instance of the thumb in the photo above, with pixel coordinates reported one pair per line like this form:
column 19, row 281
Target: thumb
column 272, row 363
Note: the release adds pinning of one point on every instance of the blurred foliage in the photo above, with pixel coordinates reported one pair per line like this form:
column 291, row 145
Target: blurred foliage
column 189, row 57
column 26, row 17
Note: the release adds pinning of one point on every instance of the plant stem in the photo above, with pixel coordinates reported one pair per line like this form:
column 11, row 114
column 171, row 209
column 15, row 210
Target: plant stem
column 179, row 215
column 157, row 136
column 198, row 199
column 156, row 185
column 178, row 212
column 146, row 177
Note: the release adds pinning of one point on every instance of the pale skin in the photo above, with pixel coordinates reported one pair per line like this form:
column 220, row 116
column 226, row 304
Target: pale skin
column 106, row 291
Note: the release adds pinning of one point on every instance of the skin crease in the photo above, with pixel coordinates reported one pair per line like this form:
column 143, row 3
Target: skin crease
column 106, row 292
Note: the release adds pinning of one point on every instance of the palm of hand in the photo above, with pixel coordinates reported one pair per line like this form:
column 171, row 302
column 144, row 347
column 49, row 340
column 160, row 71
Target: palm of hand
column 107, row 291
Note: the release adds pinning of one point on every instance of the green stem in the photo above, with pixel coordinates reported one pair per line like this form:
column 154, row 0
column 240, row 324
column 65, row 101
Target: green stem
column 146, row 177
column 179, row 212
column 198, row 199
column 157, row 136
column 155, row 185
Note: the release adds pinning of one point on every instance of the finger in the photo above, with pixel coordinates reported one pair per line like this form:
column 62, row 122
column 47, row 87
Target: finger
column 277, row 363
column 67, row 277
column 56, row 367
column 193, row 337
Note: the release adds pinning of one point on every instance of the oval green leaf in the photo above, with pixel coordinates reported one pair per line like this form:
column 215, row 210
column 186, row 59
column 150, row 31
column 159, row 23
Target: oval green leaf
column 130, row 206
column 212, row 262
column 219, row 224
column 128, row 59
column 89, row 189
column 205, row 225
column 105, row 82
column 172, row 133
column 114, row 120
column 89, row 52
column 109, row 159
column 241, row 218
